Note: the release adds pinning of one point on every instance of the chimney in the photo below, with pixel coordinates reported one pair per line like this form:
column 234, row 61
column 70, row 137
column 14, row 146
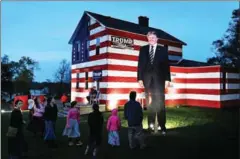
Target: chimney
column 143, row 21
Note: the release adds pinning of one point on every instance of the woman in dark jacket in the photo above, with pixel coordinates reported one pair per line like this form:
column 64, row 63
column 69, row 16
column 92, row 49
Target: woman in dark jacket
column 17, row 144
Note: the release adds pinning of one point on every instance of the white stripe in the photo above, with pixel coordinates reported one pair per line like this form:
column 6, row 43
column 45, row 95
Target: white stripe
column 193, row 96
column 92, row 21
column 122, row 73
column 195, row 75
column 90, row 64
column 101, row 51
column 138, row 43
column 102, row 39
column 122, row 62
column 233, row 75
column 123, row 51
column 196, row 86
column 109, row 85
column 97, row 30
column 204, row 75
column 176, row 49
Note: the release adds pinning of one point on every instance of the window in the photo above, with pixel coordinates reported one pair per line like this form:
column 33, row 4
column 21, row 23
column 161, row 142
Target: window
column 77, row 86
column 86, row 80
column 78, row 48
column 82, row 52
column 73, row 53
column 88, row 44
column 97, row 46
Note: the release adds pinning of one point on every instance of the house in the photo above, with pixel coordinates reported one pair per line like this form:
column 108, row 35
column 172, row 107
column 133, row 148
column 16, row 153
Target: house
column 105, row 54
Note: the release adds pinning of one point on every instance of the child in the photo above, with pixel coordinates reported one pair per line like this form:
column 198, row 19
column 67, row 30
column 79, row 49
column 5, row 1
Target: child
column 50, row 116
column 72, row 126
column 134, row 115
column 113, row 127
column 95, row 123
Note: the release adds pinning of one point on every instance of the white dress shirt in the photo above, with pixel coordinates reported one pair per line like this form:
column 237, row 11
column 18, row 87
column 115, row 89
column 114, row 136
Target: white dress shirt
column 154, row 49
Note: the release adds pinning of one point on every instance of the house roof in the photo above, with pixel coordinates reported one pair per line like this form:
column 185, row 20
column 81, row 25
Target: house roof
column 189, row 63
column 119, row 24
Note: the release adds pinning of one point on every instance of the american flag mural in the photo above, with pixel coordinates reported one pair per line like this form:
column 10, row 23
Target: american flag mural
column 196, row 86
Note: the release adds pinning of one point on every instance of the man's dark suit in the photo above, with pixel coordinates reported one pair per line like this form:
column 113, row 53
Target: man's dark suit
column 154, row 77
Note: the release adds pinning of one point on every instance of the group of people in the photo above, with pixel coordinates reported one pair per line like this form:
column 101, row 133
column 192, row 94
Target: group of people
column 43, row 117
column 42, row 120
column 133, row 113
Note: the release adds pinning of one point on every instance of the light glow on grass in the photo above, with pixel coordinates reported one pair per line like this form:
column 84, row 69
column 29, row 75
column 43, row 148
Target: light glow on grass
column 180, row 117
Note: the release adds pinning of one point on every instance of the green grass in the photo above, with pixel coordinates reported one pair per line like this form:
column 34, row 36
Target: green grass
column 192, row 133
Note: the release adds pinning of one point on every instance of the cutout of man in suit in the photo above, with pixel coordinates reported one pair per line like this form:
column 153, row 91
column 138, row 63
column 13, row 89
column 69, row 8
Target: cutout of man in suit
column 154, row 75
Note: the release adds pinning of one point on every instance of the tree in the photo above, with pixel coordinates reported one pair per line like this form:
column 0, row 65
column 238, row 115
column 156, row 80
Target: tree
column 6, row 76
column 63, row 76
column 17, row 76
column 227, row 49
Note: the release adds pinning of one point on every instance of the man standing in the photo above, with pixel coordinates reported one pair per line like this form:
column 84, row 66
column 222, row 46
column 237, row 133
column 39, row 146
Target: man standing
column 154, row 75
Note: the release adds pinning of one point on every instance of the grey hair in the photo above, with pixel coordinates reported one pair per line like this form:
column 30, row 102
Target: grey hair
column 152, row 33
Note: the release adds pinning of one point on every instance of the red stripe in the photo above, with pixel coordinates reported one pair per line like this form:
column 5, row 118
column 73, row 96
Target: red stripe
column 195, row 69
column 204, row 80
column 117, row 56
column 109, row 55
column 194, row 103
column 93, row 26
column 108, row 79
column 140, row 37
column 203, row 103
column 192, row 91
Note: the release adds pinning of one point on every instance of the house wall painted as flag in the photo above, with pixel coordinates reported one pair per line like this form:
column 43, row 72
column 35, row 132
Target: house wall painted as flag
column 196, row 86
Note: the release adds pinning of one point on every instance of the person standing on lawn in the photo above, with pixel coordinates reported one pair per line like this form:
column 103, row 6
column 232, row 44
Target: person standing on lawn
column 95, row 123
column 17, row 145
column 113, row 127
column 72, row 126
column 50, row 117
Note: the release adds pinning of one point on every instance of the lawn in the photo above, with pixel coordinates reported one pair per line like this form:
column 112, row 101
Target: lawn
column 192, row 133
